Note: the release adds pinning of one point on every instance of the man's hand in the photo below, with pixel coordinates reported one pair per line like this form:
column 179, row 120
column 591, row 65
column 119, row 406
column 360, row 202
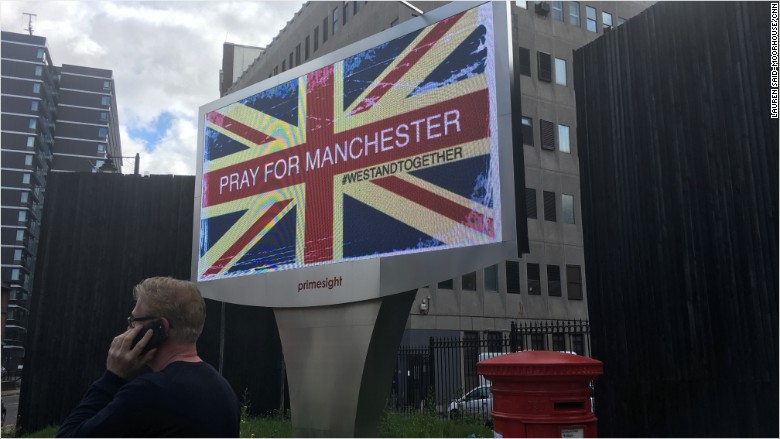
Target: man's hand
column 124, row 361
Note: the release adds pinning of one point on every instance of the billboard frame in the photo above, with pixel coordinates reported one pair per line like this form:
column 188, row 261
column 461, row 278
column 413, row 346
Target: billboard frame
column 365, row 279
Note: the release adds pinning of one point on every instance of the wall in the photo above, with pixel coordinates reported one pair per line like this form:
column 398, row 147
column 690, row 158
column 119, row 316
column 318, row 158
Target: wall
column 101, row 235
column 679, row 176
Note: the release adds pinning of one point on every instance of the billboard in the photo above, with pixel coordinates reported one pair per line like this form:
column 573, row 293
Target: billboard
column 389, row 147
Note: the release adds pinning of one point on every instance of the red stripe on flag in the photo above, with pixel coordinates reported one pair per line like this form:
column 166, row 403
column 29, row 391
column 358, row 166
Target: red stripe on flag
column 238, row 128
column 444, row 206
column 244, row 240
column 406, row 64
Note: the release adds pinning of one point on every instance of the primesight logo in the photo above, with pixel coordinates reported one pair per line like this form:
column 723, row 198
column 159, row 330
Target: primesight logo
column 328, row 283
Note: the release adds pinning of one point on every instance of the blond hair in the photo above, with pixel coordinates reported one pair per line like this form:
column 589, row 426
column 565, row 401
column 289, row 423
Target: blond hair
column 179, row 301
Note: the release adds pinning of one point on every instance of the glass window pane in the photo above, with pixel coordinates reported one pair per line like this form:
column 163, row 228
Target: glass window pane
column 34, row 106
column 26, row 178
column 557, row 11
column 335, row 20
column 574, row 13
column 33, row 123
column 491, row 278
column 38, row 70
column 606, row 19
column 590, row 14
column 445, row 285
column 469, row 281
column 22, row 215
column 28, row 160
column 568, row 208
column 521, row 4
column 30, row 142
column 36, row 88
column 24, row 197
column 560, row 71
column 20, row 235
column 563, row 139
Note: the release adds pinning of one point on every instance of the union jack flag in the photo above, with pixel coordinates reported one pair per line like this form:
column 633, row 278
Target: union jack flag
column 389, row 151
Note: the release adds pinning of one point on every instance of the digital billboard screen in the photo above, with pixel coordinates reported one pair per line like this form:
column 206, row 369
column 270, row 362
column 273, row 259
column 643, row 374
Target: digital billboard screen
column 390, row 151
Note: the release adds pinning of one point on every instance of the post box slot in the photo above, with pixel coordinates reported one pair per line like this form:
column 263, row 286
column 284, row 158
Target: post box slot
column 568, row 405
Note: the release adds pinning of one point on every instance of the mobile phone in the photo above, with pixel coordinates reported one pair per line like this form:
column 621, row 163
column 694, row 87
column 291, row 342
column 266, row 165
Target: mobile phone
column 158, row 335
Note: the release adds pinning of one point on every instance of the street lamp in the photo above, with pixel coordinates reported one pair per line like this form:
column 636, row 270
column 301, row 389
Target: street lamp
column 108, row 165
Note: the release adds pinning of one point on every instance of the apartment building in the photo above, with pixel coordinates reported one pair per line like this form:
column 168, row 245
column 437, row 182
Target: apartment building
column 53, row 119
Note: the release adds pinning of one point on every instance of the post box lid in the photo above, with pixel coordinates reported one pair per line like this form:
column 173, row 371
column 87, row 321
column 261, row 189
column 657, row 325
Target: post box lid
column 540, row 363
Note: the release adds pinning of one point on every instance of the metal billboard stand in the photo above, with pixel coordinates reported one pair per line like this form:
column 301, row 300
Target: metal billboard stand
column 339, row 362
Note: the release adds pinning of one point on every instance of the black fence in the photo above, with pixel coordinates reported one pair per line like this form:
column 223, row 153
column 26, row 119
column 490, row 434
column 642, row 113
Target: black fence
column 443, row 371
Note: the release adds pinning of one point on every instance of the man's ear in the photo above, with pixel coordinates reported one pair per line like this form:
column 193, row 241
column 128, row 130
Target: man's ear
column 166, row 325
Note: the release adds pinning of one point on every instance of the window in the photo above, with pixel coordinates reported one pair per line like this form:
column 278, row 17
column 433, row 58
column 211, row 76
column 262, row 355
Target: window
column 98, row 164
column 15, row 274
column 335, row 20
column 547, row 131
column 20, row 235
column 560, row 71
column 524, row 61
column 325, row 30
column 33, row 123
column 574, row 282
column 512, row 277
column 494, row 342
column 291, row 60
column 102, row 132
column 346, row 13
column 316, row 38
column 606, row 20
column 521, row 4
column 105, row 100
column 491, row 278
column 577, row 344
column 34, row 106
column 40, row 54
column 106, row 85
column 549, row 206
column 298, row 54
column 563, row 139
column 355, row 7
column 574, row 13
column 306, row 49
column 534, row 280
column 276, row 70
column 28, row 159
column 38, row 70
column 590, row 16
column 31, row 142
column 567, row 203
column 284, row 65
column 527, row 131
column 26, row 179
column 445, row 285
column 101, row 148
column 530, row 203
column 24, row 197
column 103, row 116
column 537, row 342
column 36, row 88
column 554, row 281
column 558, row 342
column 22, row 215
column 545, row 66
column 469, row 281
column 557, row 11
column 621, row 20
column 17, row 255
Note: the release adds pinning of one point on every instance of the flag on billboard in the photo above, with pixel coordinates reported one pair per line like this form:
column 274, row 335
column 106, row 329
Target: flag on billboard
column 389, row 151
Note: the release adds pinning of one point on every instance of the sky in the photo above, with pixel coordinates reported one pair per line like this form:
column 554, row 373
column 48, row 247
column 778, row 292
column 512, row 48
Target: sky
column 165, row 57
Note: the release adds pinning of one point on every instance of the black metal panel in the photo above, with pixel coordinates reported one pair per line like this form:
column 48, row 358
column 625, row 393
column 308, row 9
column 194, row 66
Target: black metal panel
column 102, row 234
column 678, row 168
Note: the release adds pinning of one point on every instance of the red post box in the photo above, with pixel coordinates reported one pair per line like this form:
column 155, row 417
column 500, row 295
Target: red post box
column 542, row 394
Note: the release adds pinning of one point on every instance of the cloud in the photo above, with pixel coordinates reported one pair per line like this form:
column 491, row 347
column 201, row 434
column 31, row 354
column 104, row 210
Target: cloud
column 165, row 57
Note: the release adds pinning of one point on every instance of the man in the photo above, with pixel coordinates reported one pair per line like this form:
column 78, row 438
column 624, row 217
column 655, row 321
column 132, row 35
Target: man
column 182, row 397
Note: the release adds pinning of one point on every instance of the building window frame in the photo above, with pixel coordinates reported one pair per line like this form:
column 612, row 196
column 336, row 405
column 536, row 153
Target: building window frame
column 468, row 281
column 590, row 19
column 557, row 10
column 512, row 271
column 490, row 280
column 574, row 13
column 560, row 72
column 564, row 138
column 554, row 280
column 527, row 130
column 37, row 87
column 549, row 206
column 33, row 105
column 567, row 208
column 531, row 211
column 534, row 279
column 606, row 20
column 335, row 14
column 574, row 282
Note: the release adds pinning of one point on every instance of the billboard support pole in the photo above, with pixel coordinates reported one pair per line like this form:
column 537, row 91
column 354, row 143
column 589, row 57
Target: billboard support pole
column 340, row 361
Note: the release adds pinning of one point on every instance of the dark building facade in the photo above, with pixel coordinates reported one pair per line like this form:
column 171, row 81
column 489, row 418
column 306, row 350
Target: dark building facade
column 548, row 282
column 61, row 118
